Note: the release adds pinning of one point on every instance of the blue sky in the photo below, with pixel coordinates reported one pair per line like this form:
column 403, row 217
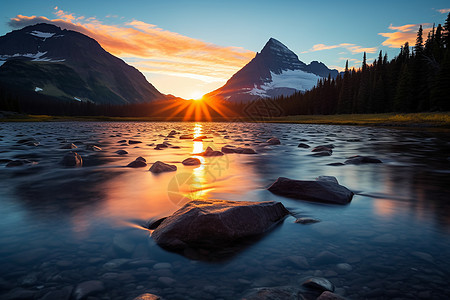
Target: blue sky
column 327, row 31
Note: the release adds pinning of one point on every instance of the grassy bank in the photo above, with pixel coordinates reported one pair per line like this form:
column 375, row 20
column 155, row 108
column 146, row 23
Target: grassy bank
column 424, row 120
column 441, row 120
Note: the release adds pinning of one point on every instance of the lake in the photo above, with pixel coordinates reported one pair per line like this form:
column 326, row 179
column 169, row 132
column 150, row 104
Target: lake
column 63, row 226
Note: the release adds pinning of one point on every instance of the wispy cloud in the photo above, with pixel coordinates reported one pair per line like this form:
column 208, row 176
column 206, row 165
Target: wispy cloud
column 152, row 48
column 353, row 48
column 444, row 10
column 404, row 33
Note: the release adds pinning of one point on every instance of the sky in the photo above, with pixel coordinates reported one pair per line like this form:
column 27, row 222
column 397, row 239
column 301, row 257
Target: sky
column 189, row 48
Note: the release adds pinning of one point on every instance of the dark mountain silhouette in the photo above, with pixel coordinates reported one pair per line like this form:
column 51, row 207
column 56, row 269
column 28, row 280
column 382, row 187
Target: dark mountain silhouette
column 68, row 65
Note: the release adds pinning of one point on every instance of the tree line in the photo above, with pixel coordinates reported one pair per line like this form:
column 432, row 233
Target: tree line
column 416, row 80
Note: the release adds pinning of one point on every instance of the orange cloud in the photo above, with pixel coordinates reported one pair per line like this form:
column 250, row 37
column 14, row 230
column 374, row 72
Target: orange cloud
column 350, row 47
column 403, row 34
column 444, row 10
column 152, row 48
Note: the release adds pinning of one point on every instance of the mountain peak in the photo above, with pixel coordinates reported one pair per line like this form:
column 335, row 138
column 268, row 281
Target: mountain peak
column 275, row 45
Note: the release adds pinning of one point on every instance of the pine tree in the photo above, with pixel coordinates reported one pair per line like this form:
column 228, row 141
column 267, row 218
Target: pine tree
column 418, row 48
column 345, row 96
column 446, row 36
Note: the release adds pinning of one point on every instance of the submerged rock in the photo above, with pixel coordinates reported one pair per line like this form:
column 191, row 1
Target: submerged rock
column 87, row 288
column 121, row 152
column 336, row 164
column 210, row 152
column 72, row 159
column 322, row 153
column 93, row 147
column 322, row 149
column 18, row 163
column 191, row 161
column 186, row 137
column 319, row 283
column 306, row 220
column 131, row 142
column 303, row 145
column 29, row 142
column 240, row 150
column 214, row 223
column 69, row 146
column 358, row 160
column 273, row 141
column 159, row 167
column 321, row 191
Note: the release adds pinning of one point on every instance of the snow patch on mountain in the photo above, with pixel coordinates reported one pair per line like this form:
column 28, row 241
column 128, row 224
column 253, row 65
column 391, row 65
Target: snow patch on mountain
column 38, row 89
column 294, row 79
column 34, row 56
column 41, row 34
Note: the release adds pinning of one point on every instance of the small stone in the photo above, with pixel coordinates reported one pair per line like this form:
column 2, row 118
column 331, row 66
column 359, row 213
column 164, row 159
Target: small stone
column 166, row 281
column 358, row 160
column 273, row 141
column 87, row 288
column 93, row 148
column 344, row 267
column 191, row 161
column 121, row 152
column 186, row 137
column 115, row 263
column 306, row 220
column 72, row 159
column 162, row 265
column 18, row 163
column 319, row 283
column 131, row 142
column 138, row 163
column 322, row 153
column 303, row 145
column 69, row 146
column 322, row 149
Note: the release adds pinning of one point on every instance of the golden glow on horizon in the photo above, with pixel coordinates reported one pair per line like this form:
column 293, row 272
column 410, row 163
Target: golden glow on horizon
column 197, row 110
column 197, row 95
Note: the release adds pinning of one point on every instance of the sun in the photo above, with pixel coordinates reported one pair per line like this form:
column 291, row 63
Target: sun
column 197, row 95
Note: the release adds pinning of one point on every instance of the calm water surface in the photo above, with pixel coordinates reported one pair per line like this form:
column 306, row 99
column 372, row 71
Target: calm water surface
column 63, row 226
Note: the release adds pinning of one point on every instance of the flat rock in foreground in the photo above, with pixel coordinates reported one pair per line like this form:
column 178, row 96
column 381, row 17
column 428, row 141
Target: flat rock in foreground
column 215, row 223
column 318, row 191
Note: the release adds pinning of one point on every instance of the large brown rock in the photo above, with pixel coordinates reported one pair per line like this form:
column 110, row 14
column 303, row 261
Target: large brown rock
column 215, row 223
column 319, row 191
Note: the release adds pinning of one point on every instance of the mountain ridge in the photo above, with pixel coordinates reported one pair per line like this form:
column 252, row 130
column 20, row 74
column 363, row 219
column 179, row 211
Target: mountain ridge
column 45, row 49
column 273, row 72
